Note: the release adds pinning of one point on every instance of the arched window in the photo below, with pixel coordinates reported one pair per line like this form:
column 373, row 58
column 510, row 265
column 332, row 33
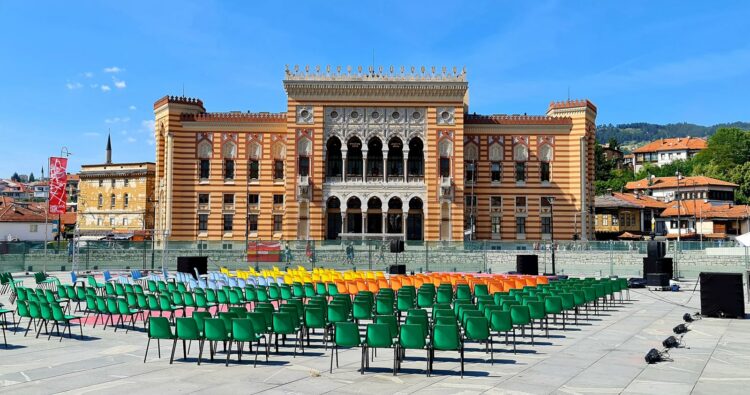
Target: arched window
column 125, row 200
column 204, row 157
column 415, row 161
column 445, row 148
column 279, row 154
column 229, row 152
column 333, row 157
column 395, row 158
column 375, row 158
column 354, row 158
column 304, row 152
column 545, row 156
column 112, row 200
column 204, row 149
column 520, row 155
column 254, row 151
column 471, row 157
column 100, row 201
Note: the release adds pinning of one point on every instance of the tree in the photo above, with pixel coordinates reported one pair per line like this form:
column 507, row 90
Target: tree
column 612, row 143
column 31, row 177
column 740, row 175
column 15, row 177
column 727, row 148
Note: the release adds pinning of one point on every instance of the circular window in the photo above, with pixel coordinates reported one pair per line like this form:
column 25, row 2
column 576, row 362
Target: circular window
column 416, row 115
column 304, row 113
column 446, row 115
column 375, row 115
column 355, row 114
column 334, row 114
column 395, row 115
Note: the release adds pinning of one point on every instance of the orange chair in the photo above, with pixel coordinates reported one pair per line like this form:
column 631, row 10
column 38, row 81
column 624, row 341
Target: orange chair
column 395, row 283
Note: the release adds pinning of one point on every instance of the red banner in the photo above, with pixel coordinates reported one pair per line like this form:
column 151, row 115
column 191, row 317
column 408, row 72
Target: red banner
column 57, row 180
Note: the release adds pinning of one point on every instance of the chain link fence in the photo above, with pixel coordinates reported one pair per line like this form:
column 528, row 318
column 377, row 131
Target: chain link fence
column 600, row 258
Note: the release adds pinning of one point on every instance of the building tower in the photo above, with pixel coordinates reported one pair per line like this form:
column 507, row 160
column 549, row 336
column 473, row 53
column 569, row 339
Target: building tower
column 109, row 149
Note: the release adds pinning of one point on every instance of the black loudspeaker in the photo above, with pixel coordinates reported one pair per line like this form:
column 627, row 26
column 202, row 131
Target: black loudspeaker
column 397, row 246
column 657, row 279
column 721, row 295
column 656, row 249
column 527, row 264
column 397, row 269
column 653, row 356
column 657, row 265
column 188, row 264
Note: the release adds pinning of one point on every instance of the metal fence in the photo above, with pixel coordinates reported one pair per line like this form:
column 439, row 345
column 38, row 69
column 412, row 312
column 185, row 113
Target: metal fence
column 623, row 258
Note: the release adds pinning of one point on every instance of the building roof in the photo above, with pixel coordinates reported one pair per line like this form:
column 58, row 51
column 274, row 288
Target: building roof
column 515, row 119
column 702, row 209
column 627, row 200
column 235, row 116
column 571, row 104
column 12, row 211
column 674, row 144
column 671, row 182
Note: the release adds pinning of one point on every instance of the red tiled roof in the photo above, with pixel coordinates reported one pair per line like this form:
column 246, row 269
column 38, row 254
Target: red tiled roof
column 641, row 200
column 678, row 143
column 503, row 119
column 671, row 182
column 11, row 211
column 571, row 104
column 702, row 209
column 235, row 117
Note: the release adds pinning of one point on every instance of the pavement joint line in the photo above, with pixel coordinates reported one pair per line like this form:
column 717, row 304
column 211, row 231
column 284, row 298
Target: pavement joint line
column 718, row 340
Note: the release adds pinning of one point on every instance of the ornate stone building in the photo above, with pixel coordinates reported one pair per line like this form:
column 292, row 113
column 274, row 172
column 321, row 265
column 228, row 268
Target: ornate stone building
column 373, row 154
column 116, row 199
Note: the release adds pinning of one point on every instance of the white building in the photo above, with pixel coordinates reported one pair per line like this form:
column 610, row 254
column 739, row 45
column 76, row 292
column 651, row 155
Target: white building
column 24, row 221
column 665, row 151
column 668, row 189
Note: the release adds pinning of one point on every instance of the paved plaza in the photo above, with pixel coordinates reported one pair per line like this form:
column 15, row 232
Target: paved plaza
column 601, row 355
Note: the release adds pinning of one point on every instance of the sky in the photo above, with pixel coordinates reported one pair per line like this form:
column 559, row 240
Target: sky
column 72, row 72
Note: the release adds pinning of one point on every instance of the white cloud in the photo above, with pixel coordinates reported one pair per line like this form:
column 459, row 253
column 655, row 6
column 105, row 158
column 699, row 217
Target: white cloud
column 113, row 69
column 106, row 88
column 118, row 84
column 131, row 140
column 92, row 134
column 148, row 125
column 88, row 74
column 131, row 108
column 116, row 120
column 73, row 85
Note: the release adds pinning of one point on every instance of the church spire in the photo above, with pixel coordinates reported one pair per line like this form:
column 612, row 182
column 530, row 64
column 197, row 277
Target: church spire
column 109, row 149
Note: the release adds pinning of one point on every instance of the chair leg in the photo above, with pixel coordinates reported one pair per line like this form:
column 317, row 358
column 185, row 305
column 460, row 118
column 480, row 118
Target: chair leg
column 492, row 351
column 330, row 369
column 532, row 333
column 514, row 340
column 395, row 359
column 174, row 346
column 148, row 343
column 229, row 352
column 462, row 361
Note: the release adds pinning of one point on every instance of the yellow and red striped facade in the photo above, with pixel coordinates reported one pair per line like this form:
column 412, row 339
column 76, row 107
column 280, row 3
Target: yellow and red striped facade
column 329, row 144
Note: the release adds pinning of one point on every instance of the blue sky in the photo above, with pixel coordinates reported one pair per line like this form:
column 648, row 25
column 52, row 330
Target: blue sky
column 71, row 71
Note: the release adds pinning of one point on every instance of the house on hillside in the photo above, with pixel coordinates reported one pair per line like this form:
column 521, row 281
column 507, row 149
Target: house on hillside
column 627, row 216
column 694, row 219
column 665, row 151
column 668, row 189
column 24, row 221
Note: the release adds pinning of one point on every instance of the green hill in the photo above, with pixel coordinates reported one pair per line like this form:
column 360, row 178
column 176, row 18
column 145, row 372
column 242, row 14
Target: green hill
column 631, row 135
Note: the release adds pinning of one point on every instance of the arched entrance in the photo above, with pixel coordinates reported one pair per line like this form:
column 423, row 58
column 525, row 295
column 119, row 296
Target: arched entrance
column 414, row 227
column 333, row 223
column 333, row 159
column 374, row 215
column 415, row 162
column 375, row 159
column 354, row 159
column 395, row 159
column 395, row 216
column 353, row 215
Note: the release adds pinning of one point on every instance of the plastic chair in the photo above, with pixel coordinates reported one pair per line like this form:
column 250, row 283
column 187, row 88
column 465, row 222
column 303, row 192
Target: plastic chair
column 478, row 329
column 215, row 331
column 346, row 335
column 243, row 332
column 377, row 336
column 186, row 329
column 412, row 337
column 446, row 338
column 159, row 329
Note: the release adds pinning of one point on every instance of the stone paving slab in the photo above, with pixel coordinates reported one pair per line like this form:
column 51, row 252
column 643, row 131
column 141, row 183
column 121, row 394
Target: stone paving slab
column 601, row 355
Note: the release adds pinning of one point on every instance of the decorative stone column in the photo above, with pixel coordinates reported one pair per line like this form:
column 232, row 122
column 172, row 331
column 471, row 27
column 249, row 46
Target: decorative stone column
column 364, row 222
column 406, row 156
column 404, row 216
column 343, row 222
column 385, row 166
column 364, row 165
column 385, row 222
column 343, row 166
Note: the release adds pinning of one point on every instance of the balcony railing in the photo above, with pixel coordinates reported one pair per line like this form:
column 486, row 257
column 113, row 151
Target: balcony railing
column 228, row 206
column 203, row 206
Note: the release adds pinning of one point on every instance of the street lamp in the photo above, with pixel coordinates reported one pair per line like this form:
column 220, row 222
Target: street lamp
column 551, row 201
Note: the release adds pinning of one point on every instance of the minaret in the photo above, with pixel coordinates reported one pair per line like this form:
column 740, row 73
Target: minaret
column 109, row 149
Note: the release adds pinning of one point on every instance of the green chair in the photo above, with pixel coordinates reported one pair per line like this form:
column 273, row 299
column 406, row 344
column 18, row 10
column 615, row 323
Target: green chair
column 392, row 323
column 501, row 322
column 446, row 338
column 346, row 335
column 412, row 337
column 333, row 289
column 244, row 332
column 186, row 329
column 92, row 283
column 315, row 318
column 423, row 322
column 215, row 330
column 201, row 302
column 361, row 310
column 481, row 290
column 445, row 294
column 404, row 301
column 425, row 299
column 166, row 306
column 377, row 336
column 384, row 305
column 537, row 313
column 478, row 329
column 200, row 318
column 123, row 311
column 590, row 296
column 463, row 292
column 552, row 305
column 579, row 298
column 283, row 324
column 568, row 304
column 521, row 317
column 159, row 329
